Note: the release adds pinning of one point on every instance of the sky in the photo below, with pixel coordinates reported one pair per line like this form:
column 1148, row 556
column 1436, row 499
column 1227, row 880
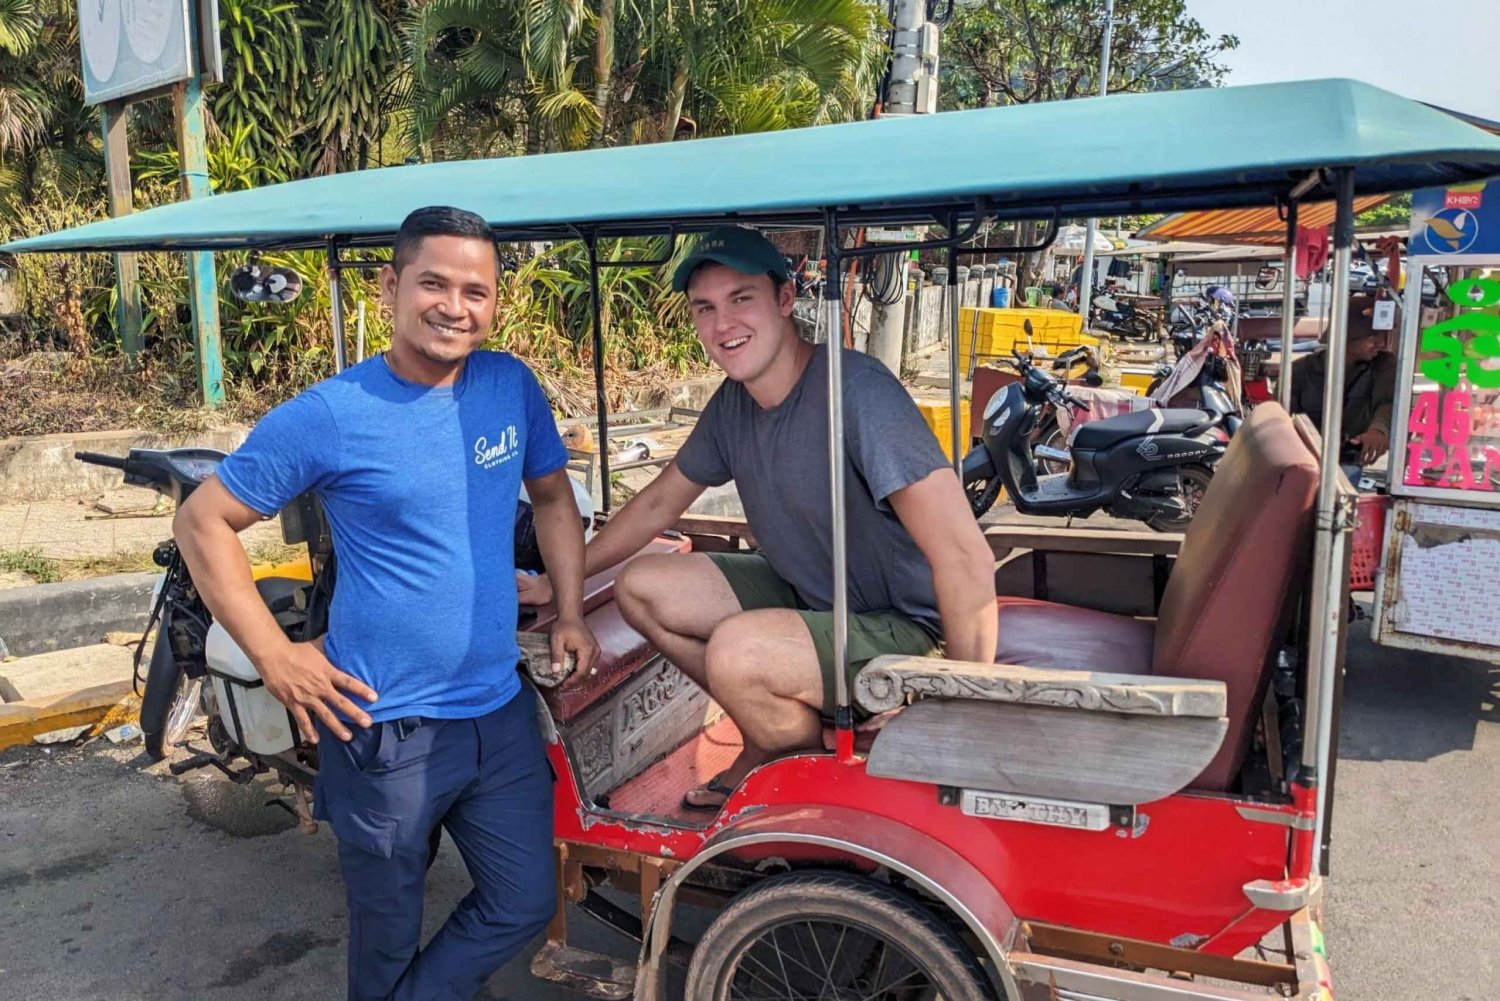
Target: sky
column 1445, row 52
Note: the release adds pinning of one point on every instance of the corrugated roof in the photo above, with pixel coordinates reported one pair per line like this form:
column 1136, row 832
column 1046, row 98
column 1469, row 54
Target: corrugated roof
column 1256, row 225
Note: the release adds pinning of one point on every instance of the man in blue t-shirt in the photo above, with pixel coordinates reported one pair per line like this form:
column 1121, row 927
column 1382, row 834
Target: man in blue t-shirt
column 418, row 456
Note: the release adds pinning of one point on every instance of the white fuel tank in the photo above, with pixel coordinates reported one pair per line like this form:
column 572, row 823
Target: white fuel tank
column 268, row 726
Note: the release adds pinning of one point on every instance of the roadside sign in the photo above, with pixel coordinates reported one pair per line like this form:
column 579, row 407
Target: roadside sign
column 131, row 46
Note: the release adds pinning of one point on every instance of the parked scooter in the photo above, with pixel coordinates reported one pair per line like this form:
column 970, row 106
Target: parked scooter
column 1119, row 317
column 1152, row 465
column 196, row 668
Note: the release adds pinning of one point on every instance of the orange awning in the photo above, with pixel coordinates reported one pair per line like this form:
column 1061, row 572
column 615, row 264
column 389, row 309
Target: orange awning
column 1259, row 225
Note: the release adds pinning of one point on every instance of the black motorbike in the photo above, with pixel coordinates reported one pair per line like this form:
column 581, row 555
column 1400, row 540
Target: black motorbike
column 1153, row 465
column 1119, row 316
column 174, row 686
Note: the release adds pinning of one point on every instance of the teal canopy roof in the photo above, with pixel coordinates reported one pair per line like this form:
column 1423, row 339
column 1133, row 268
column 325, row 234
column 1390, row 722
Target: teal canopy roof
column 1126, row 154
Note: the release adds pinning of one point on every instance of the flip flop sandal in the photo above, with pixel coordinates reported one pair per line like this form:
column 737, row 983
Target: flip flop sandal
column 713, row 786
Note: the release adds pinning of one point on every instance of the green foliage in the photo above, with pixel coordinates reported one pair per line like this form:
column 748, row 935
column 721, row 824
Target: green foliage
column 1396, row 212
column 1023, row 51
column 30, row 562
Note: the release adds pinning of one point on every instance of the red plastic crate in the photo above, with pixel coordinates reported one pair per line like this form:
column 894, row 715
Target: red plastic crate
column 1365, row 545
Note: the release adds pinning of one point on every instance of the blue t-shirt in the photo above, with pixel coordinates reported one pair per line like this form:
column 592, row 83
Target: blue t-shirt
column 420, row 487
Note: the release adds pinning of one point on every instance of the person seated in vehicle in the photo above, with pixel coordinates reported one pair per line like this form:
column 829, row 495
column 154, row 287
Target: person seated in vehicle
column 756, row 629
column 1369, row 386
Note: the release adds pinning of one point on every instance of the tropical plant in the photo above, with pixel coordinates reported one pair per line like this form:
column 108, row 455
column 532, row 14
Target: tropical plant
column 49, row 140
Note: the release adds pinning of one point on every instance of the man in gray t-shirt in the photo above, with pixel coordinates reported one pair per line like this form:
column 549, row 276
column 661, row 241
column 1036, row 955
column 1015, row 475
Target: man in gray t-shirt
column 756, row 629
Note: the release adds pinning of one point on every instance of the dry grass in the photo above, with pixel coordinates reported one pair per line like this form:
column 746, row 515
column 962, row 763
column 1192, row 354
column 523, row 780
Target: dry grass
column 44, row 569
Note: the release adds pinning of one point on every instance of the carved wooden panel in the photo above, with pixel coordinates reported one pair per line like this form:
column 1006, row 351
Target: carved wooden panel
column 1037, row 750
column 886, row 682
column 637, row 725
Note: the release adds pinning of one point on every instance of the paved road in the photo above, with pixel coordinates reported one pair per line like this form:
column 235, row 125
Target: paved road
column 120, row 882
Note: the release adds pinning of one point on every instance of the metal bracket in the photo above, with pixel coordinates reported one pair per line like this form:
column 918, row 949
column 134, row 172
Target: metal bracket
column 1285, row 895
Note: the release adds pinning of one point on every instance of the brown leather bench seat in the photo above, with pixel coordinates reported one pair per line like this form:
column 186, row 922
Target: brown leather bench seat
column 1225, row 607
column 622, row 650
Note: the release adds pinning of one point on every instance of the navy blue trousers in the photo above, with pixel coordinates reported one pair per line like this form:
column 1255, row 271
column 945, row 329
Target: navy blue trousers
column 488, row 782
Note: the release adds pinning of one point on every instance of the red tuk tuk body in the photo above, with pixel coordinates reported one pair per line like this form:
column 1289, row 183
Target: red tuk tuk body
column 1137, row 789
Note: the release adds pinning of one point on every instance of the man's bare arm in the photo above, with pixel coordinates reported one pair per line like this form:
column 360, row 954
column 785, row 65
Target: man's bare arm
column 936, row 514
column 559, row 534
column 207, row 531
column 643, row 518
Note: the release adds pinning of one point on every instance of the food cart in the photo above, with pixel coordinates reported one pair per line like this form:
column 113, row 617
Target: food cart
column 1441, row 544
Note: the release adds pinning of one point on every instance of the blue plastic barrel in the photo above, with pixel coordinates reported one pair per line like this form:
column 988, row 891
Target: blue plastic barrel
column 1000, row 297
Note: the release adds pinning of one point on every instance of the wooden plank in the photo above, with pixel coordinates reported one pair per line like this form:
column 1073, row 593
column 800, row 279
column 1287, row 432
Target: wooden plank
column 1113, row 949
column 1109, row 758
column 701, row 524
column 885, row 683
column 21, row 721
column 1003, row 538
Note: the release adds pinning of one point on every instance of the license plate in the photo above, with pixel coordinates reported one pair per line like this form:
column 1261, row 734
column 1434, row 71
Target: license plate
column 1034, row 810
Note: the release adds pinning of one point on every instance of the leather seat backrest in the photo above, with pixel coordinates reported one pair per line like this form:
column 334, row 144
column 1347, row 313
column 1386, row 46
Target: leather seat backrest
column 1222, row 608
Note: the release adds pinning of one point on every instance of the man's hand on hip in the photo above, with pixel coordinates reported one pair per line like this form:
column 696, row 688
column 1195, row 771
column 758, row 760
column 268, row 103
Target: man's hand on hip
column 303, row 680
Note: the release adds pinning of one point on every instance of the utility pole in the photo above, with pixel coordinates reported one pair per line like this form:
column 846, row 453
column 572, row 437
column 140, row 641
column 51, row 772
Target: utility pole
column 1086, row 279
column 912, row 90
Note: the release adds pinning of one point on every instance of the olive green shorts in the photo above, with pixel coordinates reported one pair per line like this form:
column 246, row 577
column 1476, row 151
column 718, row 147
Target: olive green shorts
column 871, row 634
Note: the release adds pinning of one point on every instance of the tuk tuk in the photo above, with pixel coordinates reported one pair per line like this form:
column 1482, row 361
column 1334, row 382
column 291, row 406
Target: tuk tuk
column 1131, row 802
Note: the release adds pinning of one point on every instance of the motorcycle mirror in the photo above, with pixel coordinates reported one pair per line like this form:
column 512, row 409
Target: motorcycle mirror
column 1093, row 379
column 1267, row 278
column 262, row 283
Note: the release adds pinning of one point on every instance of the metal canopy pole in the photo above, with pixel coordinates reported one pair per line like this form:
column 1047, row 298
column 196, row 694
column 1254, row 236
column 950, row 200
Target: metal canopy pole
column 601, row 404
column 1327, row 604
column 1288, row 309
column 1086, row 276
column 958, row 453
column 336, row 304
column 833, row 295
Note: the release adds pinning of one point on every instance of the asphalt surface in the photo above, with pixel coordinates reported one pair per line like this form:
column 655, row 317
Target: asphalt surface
column 120, row 882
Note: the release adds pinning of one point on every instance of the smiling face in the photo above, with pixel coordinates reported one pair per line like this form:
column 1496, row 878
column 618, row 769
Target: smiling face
column 743, row 321
column 442, row 306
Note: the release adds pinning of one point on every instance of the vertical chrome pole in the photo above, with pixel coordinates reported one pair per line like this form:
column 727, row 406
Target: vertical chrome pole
column 1288, row 308
column 833, row 294
column 958, row 455
column 1328, row 585
column 336, row 306
column 601, row 403
column 1086, row 277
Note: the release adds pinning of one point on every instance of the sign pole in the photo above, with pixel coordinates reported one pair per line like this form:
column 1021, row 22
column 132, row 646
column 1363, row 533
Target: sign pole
column 115, row 116
column 192, row 155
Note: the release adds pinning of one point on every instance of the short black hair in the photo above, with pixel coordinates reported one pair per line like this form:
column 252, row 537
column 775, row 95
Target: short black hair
column 438, row 220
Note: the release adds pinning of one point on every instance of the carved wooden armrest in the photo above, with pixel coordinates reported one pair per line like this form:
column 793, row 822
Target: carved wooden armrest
column 886, row 682
column 536, row 658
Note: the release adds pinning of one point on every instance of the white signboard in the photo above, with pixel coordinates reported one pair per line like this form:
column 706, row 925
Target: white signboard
column 130, row 46
column 1442, row 572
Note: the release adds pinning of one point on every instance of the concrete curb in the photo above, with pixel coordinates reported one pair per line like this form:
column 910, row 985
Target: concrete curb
column 48, row 617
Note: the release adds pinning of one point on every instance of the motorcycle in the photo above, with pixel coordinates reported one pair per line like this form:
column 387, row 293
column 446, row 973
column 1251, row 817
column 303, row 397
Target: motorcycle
column 195, row 667
column 1152, row 465
column 1119, row 316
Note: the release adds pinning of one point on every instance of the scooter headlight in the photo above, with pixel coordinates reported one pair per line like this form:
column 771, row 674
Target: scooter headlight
column 993, row 407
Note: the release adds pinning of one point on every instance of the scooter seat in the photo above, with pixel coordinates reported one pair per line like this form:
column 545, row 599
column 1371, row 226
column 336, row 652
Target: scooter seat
column 1101, row 434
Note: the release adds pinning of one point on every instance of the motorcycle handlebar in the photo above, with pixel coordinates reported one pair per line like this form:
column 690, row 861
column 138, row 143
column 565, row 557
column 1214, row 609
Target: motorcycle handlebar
column 96, row 459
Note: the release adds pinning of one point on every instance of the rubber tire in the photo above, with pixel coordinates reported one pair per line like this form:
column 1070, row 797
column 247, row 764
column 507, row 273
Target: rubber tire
column 1050, row 428
column 163, row 680
column 1204, row 476
column 864, row 903
column 982, row 494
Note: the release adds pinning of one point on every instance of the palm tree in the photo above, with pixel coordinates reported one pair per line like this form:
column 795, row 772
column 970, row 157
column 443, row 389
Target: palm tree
column 548, row 69
column 48, row 138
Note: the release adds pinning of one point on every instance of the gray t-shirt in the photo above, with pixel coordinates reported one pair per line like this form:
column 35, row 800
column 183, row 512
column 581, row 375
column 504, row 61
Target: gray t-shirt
column 778, row 459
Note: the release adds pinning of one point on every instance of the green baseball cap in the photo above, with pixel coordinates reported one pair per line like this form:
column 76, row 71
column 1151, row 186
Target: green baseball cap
column 744, row 250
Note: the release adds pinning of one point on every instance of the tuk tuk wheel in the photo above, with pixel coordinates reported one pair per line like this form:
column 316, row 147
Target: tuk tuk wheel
column 832, row 937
